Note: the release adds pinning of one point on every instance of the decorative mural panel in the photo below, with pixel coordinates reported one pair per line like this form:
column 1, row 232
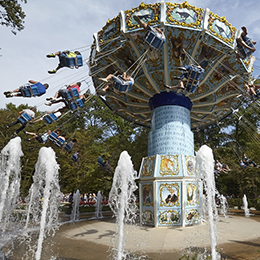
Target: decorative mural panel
column 149, row 13
column 189, row 165
column 192, row 194
column 147, row 195
column 169, row 165
column 170, row 194
column 169, row 217
column 221, row 28
column 110, row 30
column 192, row 216
column 148, row 217
column 184, row 15
column 148, row 166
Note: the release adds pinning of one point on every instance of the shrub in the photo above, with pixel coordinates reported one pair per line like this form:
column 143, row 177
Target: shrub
column 84, row 209
column 235, row 202
column 257, row 204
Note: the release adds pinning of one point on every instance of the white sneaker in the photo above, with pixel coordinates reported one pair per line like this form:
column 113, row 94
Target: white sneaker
column 103, row 79
column 48, row 103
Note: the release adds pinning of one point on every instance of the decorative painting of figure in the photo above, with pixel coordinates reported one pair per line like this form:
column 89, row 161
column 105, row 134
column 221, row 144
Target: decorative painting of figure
column 192, row 194
column 190, row 166
column 169, row 165
column 148, row 216
column 192, row 216
column 169, row 217
column 169, row 194
column 206, row 54
column 147, row 194
column 148, row 166
column 166, row 164
column 126, row 57
column 177, row 46
column 223, row 71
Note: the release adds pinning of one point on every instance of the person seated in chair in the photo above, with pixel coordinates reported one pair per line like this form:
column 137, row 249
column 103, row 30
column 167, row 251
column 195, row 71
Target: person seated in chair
column 65, row 101
column 248, row 162
column 159, row 33
column 58, row 94
column 55, row 113
column 189, row 79
column 40, row 89
column 40, row 138
column 252, row 90
column 76, row 157
column 243, row 43
column 101, row 160
column 25, row 112
column 69, row 146
column 123, row 80
column 62, row 59
column 242, row 164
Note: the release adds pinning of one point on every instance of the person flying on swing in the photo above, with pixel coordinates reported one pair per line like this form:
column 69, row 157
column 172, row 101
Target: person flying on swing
column 252, row 90
column 66, row 59
column 154, row 37
column 34, row 89
column 62, row 90
column 243, row 43
column 189, row 79
column 25, row 116
column 49, row 117
column 65, row 101
column 40, row 138
column 125, row 81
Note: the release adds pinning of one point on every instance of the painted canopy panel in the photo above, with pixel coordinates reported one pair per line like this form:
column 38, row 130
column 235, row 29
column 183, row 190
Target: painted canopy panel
column 193, row 36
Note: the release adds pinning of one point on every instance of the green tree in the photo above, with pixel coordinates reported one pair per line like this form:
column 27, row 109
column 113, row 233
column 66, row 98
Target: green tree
column 12, row 15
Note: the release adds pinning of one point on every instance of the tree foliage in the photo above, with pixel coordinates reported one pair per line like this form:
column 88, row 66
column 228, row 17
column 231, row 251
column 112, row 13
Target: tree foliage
column 229, row 140
column 12, row 15
column 99, row 131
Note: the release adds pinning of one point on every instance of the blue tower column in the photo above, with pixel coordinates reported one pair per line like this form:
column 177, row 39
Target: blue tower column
column 169, row 192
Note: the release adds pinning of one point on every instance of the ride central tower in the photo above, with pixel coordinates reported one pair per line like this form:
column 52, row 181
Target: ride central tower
column 169, row 192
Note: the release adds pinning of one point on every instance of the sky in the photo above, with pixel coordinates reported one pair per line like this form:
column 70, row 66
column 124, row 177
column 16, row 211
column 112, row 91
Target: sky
column 57, row 25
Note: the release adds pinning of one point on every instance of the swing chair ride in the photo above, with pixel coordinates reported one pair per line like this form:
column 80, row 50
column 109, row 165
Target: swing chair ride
column 193, row 36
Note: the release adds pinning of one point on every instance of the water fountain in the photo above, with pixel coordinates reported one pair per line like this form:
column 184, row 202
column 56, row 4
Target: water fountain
column 98, row 206
column 75, row 206
column 10, row 178
column 245, row 204
column 223, row 203
column 205, row 169
column 122, row 202
column 40, row 218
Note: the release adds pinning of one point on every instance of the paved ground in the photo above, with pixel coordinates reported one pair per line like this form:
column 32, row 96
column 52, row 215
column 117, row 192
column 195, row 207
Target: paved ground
column 239, row 239
column 170, row 240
